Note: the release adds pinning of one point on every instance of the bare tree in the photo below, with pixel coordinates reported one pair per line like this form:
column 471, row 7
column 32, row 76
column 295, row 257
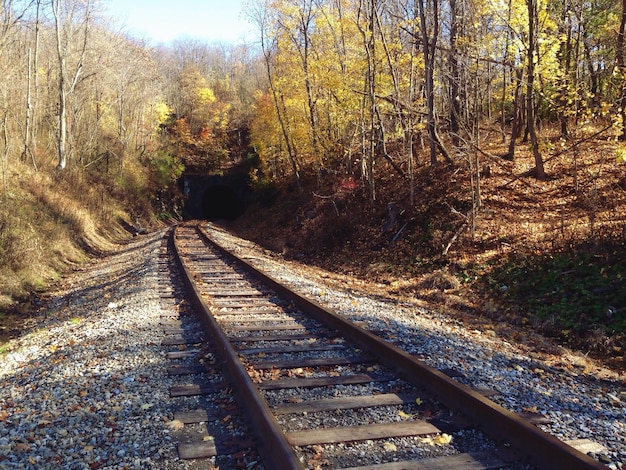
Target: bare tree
column 71, row 33
column 30, row 136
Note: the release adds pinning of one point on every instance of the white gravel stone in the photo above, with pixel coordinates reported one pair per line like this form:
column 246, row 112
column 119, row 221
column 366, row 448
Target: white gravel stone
column 87, row 387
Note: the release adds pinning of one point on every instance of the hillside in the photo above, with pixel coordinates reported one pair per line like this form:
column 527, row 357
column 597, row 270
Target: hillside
column 53, row 222
column 539, row 256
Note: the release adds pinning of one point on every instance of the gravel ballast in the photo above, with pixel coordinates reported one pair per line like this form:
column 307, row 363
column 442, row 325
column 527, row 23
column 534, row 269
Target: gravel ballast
column 88, row 388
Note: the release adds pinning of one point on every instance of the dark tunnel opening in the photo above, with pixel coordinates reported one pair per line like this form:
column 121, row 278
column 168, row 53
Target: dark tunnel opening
column 221, row 202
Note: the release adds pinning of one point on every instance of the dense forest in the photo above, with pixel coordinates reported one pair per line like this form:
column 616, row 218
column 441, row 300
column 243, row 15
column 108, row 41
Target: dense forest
column 397, row 115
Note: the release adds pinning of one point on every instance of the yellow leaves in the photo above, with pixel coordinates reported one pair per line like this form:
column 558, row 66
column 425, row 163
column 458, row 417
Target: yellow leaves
column 146, row 406
column 161, row 112
column 206, row 96
column 439, row 440
column 418, row 401
column 443, row 439
column 175, row 424
column 404, row 415
column 620, row 154
column 390, row 447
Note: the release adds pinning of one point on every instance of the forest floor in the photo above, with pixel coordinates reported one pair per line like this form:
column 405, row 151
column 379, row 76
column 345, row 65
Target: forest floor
column 537, row 259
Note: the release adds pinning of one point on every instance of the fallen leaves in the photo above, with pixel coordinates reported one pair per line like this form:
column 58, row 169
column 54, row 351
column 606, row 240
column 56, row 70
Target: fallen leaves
column 439, row 440
column 175, row 424
column 317, row 460
column 390, row 447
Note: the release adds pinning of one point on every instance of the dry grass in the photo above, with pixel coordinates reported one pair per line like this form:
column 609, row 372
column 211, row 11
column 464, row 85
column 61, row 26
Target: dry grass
column 48, row 223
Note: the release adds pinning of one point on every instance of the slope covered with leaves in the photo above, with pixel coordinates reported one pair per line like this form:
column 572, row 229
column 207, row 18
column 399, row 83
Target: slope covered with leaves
column 537, row 257
column 51, row 222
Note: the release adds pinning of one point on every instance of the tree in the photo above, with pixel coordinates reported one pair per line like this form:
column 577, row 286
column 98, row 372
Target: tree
column 30, row 136
column 266, row 24
column 67, row 26
column 367, row 25
column 621, row 69
column 429, row 37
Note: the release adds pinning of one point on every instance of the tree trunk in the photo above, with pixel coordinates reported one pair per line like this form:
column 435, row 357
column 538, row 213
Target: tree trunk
column 66, row 85
column 428, row 45
column 530, row 92
column 516, row 126
column 62, row 110
column 5, row 154
column 29, row 112
column 369, row 103
column 621, row 65
column 455, row 79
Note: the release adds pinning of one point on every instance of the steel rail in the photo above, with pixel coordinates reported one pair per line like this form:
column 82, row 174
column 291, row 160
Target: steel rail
column 542, row 449
column 274, row 449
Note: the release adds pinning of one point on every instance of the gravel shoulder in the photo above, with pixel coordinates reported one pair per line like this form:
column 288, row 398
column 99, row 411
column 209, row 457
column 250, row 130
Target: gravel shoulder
column 88, row 387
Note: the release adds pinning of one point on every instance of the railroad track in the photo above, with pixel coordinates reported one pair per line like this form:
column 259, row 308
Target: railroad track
column 320, row 392
column 208, row 424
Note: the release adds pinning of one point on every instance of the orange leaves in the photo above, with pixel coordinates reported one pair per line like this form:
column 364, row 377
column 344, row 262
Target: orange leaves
column 317, row 460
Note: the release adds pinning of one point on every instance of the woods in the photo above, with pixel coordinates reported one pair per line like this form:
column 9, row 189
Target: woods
column 325, row 86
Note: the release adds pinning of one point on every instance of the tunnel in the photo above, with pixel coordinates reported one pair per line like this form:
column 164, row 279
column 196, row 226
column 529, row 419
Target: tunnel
column 221, row 202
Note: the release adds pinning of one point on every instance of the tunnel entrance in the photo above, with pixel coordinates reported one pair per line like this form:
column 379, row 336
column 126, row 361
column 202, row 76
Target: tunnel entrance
column 221, row 202
column 214, row 197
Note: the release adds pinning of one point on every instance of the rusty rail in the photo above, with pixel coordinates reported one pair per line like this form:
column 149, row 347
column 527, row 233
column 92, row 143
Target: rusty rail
column 274, row 448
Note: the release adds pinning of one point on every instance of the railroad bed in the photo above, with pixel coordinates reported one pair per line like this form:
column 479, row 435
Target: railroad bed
column 120, row 371
column 320, row 390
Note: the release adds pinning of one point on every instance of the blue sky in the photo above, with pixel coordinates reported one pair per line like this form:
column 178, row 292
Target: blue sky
column 161, row 21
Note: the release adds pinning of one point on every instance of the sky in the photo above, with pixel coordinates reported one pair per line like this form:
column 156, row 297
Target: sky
column 161, row 21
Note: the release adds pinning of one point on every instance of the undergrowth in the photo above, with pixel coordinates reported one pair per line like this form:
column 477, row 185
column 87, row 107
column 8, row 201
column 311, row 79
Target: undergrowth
column 578, row 296
column 50, row 221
